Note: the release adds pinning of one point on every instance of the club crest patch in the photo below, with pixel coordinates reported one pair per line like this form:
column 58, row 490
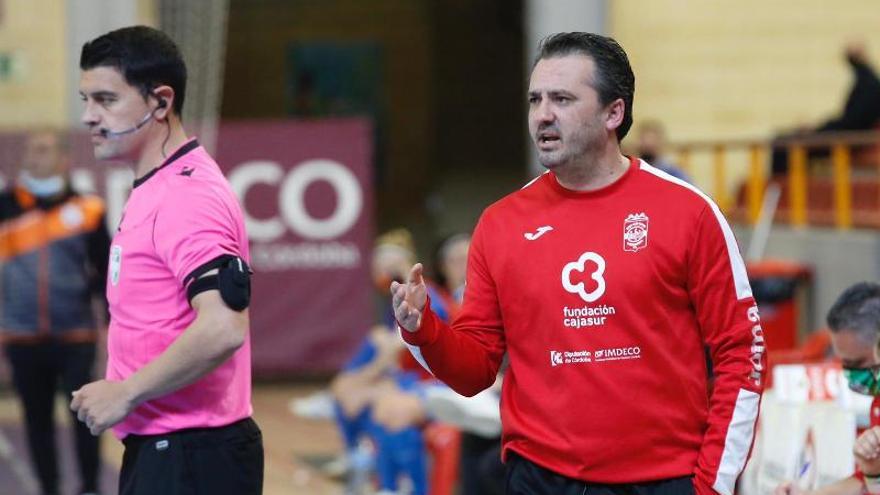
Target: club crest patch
column 635, row 232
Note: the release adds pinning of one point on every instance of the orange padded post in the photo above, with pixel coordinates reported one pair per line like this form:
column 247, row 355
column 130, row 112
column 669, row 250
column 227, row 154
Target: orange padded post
column 797, row 185
column 755, row 191
column 841, row 159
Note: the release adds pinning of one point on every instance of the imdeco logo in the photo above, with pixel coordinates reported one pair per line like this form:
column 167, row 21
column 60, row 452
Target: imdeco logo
column 617, row 353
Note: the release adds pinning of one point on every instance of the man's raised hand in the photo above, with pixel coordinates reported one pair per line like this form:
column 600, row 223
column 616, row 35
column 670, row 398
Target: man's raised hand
column 408, row 300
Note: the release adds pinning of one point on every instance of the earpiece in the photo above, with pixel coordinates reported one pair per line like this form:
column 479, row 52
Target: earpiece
column 108, row 134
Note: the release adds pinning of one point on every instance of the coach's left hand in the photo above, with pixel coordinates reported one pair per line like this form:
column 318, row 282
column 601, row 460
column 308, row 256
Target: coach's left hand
column 101, row 404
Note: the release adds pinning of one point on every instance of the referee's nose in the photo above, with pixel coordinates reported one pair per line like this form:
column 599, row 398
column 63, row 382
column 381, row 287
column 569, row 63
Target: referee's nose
column 89, row 117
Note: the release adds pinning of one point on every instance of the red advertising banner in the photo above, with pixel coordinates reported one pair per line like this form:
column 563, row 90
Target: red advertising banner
column 307, row 194
column 306, row 189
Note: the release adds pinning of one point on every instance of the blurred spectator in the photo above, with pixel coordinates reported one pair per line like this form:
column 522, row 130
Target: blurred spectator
column 854, row 320
column 861, row 111
column 651, row 139
column 479, row 418
column 481, row 470
column 380, row 392
column 55, row 249
column 450, row 263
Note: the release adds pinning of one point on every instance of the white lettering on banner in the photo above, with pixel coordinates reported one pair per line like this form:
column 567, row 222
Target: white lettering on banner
column 349, row 199
column 265, row 254
column 306, row 255
column 832, row 384
column 291, row 204
column 241, row 179
column 757, row 350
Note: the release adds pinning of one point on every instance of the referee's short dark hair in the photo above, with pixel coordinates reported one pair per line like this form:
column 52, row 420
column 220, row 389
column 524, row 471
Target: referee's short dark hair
column 614, row 76
column 146, row 58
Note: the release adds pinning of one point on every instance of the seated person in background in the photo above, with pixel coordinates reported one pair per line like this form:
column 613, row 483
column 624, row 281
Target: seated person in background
column 481, row 471
column 854, row 320
column 379, row 393
column 450, row 265
column 861, row 112
column 651, row 142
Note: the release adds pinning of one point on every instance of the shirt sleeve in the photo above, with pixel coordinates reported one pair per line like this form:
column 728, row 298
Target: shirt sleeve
column 466, row 356
column 193, row 229
column 728, row 318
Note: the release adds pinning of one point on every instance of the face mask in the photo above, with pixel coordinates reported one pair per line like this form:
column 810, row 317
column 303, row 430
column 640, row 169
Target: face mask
column 863, row 381
column 42, row 188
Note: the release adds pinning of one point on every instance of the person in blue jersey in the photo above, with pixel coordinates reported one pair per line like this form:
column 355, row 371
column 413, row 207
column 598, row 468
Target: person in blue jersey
column 379, row 393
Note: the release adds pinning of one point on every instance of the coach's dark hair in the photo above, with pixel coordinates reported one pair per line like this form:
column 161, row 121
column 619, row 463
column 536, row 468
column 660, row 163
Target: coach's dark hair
column 857, row 309
column 614, row 76
column 146, row 57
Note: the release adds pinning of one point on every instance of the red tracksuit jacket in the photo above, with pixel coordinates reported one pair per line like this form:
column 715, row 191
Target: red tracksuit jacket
column 604, row 301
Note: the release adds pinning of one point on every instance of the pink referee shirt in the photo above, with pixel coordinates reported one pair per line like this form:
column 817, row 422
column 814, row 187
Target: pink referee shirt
column 179, row 217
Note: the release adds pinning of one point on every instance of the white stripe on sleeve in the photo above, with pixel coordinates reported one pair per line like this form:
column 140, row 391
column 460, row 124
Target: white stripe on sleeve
column 740, row 433
column 534, row 180
column 740, row 277
column 416, row 352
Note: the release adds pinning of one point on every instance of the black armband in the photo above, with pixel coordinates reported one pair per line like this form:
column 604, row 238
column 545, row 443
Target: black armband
column 233, row 280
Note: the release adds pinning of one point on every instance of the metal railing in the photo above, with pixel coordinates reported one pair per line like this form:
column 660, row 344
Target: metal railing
column 796, row 181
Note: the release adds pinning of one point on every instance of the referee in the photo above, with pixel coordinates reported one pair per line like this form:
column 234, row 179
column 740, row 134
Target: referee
column 178, row 385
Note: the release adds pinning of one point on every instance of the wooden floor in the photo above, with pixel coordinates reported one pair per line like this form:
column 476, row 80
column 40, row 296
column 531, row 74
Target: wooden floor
column 289, row 441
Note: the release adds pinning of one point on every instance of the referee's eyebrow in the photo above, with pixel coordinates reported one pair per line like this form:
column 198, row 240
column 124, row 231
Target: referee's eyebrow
column 99, row 94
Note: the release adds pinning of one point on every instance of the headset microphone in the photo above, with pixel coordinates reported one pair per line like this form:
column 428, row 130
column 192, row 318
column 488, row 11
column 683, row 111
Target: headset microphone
column 108, row 134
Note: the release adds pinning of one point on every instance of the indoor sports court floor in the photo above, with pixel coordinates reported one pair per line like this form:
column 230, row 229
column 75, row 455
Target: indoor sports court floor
column 293, row 446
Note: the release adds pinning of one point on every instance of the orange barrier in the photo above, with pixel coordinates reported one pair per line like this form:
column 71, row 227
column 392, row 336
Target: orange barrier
column 797, row 185
column 757, row 183
column 836, row 198
column 840, row 157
